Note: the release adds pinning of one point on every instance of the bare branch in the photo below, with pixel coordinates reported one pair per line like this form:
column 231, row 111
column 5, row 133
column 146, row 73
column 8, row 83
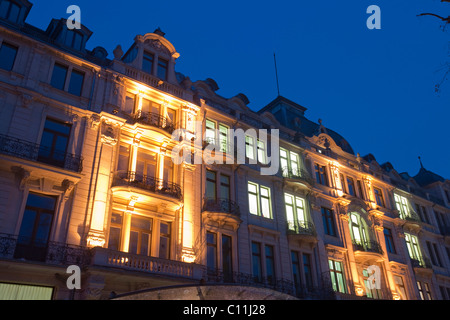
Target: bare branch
column 446, row 20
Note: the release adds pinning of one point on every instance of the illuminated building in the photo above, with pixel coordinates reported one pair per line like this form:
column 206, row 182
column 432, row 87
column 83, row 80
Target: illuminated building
column 87, row 179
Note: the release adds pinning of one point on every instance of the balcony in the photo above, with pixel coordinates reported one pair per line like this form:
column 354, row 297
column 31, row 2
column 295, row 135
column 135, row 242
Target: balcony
column 421, row 263
column 298, row 174
column 51, row 253
column 367, row 246
column 302, row 231
column 34, row 152
column 147, row 183
column 154, row 120
column 221, row 210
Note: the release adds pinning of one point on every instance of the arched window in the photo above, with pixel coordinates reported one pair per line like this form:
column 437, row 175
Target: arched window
column 358, row 230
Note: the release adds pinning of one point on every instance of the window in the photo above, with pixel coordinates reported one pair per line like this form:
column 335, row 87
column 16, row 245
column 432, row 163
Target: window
column 54, row 142
column 162, row 69
column 259, row 200
column 130, row 101
column 211, row 185
column 321, row 174
column 400, row 284
column 270, row 264
column 59, row 76
column 351, row 186
column 424, row 290
column 224, row 186
column 256, row 261
column 337, row 276
column 8, row 55
column 223, row 138
column 296, row 270
column 164, row 240
column 147, row 63
column 389, row 240
column 35, row 228
column 412, row 244
column 74, row 39
column 358, row 230
column 370, row 292
column 124, row 156
column 250, row 147
column 210, row 133
column 10, row 291
column 360, row 189
column 295, row 212
column 145, row 165
column 290, row 163
column 307, row 270
column 328, row 222
column 76, row 82
column 115, row 231
column 140, row 235
column 262, row 156
column 434, row 254
column 422, row 213
column 442, row 223
column 379, row 197
column 402, row 206
column 227, row 257
column 211, row 254
column 9, row 11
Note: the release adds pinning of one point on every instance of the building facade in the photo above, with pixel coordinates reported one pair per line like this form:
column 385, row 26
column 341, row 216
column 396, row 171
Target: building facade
column 90, row 177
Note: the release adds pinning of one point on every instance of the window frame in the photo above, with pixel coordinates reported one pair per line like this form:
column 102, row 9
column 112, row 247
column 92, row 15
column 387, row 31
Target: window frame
column 259, row 196
column 15, row 48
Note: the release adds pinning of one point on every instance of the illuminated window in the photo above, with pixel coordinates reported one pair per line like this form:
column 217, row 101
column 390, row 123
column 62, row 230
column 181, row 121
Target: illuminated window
column 261, row 147
column 400, row 284
column 424, row 290
column 295, row 212
column 210, row 133
column 9, row 291
column 337, row 276
column 223, row 138
column 140, row 235
column 412, row 243
column 401, row 203
column 130, row 102
column 145, row 165
column 8, row 55
column 115, row 231
column 259, row 200
column 371, row 292
column 250, row 147
column 358, row 230
column 290, row 163
column 211, row 182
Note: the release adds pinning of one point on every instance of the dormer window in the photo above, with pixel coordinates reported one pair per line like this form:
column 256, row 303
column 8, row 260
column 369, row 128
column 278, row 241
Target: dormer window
column 74, row 39
column 9, row 10
column 162, row 69
column 147, row 64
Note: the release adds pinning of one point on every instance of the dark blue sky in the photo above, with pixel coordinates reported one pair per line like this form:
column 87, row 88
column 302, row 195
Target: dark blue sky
column 375, row 87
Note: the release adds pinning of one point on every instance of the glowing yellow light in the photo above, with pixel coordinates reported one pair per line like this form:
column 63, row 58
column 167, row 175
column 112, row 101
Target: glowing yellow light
column 359, row 291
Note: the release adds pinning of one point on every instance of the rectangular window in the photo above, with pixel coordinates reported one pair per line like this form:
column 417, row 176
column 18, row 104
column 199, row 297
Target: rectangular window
column 211, row 182
column 210, row 133
column 250, row 147
column 140, row 235
column 307, row 270
column 10, row 291
column 54, row 142
column 389, row 240
column 259, row 200
column 256, row 261
column 76, row 83
column 130, row 101
column 321, row 174
column 145, row 165
column 270, row 264
column 8, row 54
column 422, row 213
column 412, row 244
column 360, row 189
column 401, row 203
column 223, row 138
column 35, row 228
column 124, row 156
column 328, row 222
column 284, row 162
column 296, row 270
column 147, row 63
column 9, row 11
column 162, row 69
column 73, row 39
column 379, row 197
column 424, row 290
column 211, row 253
column 224, row 186
column 351, row 186
column 115, row 230
column 262, row 156
column 59, row 76
column 227, row 257
column 400, row 287
column 164, row 240
column 337, row 276
column 434, row 254
column 295, row 212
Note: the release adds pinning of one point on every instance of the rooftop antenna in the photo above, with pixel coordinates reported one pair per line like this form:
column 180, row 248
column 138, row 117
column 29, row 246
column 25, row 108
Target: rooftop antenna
column 421, row 165
column 276, row 73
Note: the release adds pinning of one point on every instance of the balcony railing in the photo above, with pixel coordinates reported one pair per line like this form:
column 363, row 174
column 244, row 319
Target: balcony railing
column 221, row 205
column 34, row 152
column 367, row 246
column 148, row 183
column 52, row 253
column 301, row 228
column 154, row 120
column 298, row 174
column 421, row 263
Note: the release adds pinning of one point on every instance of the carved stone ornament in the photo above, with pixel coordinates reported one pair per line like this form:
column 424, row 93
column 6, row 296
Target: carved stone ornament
column 67, row 186
column 158, row 46
column 109, row 134
column 22, row 176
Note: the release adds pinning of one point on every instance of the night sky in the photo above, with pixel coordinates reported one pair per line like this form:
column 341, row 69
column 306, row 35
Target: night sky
column 374, row 87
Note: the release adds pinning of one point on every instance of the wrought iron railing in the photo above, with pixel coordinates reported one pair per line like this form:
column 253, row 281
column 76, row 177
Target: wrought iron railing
column 299, row 174
column 52, row 253
column 155, row 120
column 35, row 152
column 147, row 183
column 301, row 227
column 221, row 205
column 367, row 246
column 421, row 263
